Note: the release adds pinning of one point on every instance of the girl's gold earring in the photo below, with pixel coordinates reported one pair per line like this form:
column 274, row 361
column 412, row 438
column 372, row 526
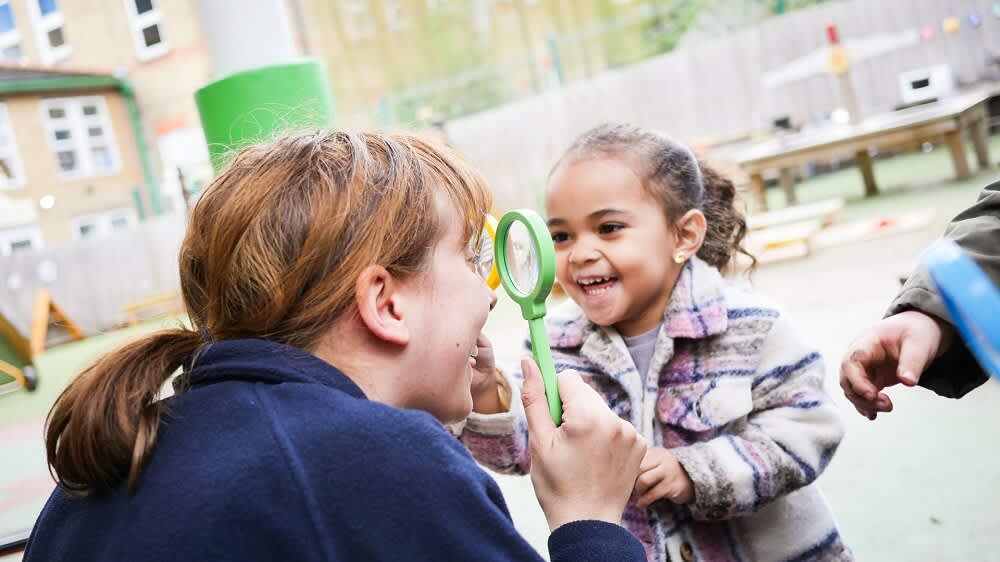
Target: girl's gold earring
column 679, row 258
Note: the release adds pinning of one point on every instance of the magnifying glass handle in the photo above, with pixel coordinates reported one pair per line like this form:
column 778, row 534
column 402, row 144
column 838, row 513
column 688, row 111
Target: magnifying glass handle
column 543, row 357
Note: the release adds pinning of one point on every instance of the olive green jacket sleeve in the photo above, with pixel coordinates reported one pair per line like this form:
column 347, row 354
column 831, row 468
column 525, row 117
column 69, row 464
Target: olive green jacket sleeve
column 977, row 231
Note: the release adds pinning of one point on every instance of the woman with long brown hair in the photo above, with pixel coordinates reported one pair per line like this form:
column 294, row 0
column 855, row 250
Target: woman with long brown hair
column 331, row 286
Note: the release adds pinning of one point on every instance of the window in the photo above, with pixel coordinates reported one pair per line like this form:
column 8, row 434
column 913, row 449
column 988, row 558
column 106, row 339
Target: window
column 103, row 224
column 49, row 30
column 22, row 239
column 395, row 19
column 79, row 132
column 11, row 168
column 10, row 38
column 86, row 229
column 146, row 20
column 358, row 23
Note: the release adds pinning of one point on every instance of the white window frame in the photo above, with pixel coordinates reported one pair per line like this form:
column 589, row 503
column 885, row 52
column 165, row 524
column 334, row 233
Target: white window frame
column 353, row 11
column 138, row 22
column 11, row 38
column 10, row 152
column 9, row 236
column 80, row 141
column 103, row 222
column 43, row 24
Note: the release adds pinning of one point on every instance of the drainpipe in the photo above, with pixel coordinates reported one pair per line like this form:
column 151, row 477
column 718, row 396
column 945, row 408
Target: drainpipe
column 152, row 189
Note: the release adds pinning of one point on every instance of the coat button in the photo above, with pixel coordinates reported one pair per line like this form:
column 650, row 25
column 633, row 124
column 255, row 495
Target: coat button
column 687, row 553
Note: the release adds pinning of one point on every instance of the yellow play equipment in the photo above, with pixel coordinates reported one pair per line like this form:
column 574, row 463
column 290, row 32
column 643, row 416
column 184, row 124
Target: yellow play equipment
column 25, row 378
column 49, row 326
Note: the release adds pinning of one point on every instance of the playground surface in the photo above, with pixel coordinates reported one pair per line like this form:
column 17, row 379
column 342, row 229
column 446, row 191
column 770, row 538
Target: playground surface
column 920, row 484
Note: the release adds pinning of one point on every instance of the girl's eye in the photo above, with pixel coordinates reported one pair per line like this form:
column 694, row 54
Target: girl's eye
column 610, row 228
column 558, row 237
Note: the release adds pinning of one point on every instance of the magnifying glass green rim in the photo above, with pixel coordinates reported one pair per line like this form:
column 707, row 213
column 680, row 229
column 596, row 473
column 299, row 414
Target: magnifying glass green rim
column 532, row 303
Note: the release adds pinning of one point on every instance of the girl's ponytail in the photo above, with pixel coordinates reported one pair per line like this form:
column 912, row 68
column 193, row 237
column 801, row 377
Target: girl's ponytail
column 726, row 225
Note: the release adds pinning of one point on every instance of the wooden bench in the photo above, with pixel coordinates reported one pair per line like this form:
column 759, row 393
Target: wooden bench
column 827, row 212
column 943, row 121
column 782, row 242
column 162, row 304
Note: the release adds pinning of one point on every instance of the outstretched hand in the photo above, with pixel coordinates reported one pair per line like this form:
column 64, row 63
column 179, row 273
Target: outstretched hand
column 895, row 350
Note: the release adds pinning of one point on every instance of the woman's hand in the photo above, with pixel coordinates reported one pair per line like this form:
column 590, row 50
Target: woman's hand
column 586, row 468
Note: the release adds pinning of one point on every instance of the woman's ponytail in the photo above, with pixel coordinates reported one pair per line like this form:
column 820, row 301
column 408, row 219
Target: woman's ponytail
column 103, row 426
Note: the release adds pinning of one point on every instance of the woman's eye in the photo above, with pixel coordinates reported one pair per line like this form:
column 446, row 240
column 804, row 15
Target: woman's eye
column 484, row 264
column 480, row 259
column 610, row 228
column 558, row 237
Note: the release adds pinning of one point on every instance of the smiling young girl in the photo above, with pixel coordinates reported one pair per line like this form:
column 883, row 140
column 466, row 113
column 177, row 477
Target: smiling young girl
column 716, row 378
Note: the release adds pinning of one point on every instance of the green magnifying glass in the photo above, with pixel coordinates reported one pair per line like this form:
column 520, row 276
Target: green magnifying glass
column 526, row 262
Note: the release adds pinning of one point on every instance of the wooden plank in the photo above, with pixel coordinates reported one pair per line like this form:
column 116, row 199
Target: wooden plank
column 871, row 229
column 783, row 242
column 825, row 211
column 875, row 132
column 17, row 340
column 74, row 331
column 163, row 303
column 45, row 314
column 757, row 188
column 783, row 235
column 957, row 147
column 786, row 179
column 791, row 156
column 979, row 132
column 864, row 161
column 40, row 321
column 13, row 372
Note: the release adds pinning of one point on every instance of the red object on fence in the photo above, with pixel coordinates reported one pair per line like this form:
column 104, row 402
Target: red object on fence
column 831, row 34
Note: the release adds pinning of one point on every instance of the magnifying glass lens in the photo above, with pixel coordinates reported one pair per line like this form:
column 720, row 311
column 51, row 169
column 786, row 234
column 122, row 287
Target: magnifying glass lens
column 522, row 258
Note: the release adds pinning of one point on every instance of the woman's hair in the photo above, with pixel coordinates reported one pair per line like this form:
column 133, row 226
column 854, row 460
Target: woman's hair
column 272, row 251
column 672, row 174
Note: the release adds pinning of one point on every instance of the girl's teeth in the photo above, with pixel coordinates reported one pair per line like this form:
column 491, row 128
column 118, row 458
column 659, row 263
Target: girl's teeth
column 595, row 291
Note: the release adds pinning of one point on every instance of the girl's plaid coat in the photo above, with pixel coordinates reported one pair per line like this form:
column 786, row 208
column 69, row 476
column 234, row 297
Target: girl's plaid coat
column 735, row 394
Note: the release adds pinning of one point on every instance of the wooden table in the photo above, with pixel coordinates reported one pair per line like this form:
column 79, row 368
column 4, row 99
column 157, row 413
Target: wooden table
column 941, row 121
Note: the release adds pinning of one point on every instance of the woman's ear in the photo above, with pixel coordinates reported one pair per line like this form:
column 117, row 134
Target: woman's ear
column 378, row 298
column 691, row 229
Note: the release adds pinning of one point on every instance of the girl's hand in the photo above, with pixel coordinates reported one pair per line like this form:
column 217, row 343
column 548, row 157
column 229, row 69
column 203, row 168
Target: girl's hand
column 485, row 396
column 482, row 372
column 662, row 477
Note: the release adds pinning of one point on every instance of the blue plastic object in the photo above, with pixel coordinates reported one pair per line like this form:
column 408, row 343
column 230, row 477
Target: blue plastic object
column 972, row 300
